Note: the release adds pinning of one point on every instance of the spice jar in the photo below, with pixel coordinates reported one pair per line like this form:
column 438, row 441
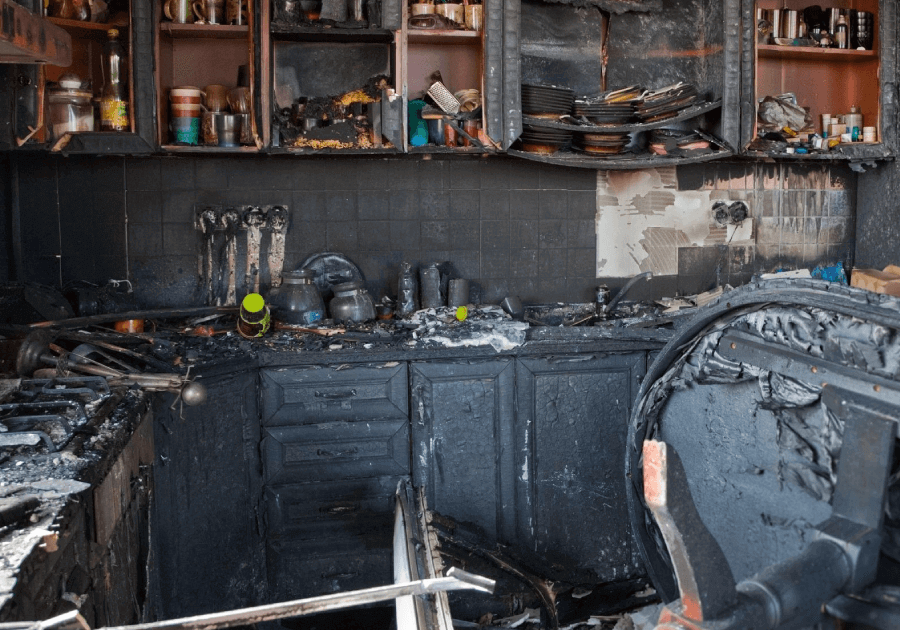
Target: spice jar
column 254, row 318
column 70, row 111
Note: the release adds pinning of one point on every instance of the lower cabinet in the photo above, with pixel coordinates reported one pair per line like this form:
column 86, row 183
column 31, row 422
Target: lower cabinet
column 335, row 445
column 571, row 427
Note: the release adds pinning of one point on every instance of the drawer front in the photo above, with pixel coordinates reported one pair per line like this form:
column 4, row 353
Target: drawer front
column 336, row 450
column 296, row 573
column 335, row 510
column 313, row 394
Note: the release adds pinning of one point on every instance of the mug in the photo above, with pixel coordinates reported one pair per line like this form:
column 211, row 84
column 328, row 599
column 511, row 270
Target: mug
column 216, row 99
column 246, row 129
column 186, row 111
column 212, row 11
column 236, row 11
column 228, row 128
column 239, row 100
column 186, row 129
column 473, row 17
column 188, row 91
column 179, row 11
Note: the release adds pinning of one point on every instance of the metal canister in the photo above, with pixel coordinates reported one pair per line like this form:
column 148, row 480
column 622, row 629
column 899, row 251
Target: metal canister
column 430, row 286
column 406, row 290
column 351, row 304
column 458, row 293
column 297, row 301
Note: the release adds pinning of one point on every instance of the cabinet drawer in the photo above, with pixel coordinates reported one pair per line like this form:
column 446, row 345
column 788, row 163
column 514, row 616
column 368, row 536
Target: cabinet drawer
column 313, row 394
column 336, row 450
column 362, row 508
column 297, row 572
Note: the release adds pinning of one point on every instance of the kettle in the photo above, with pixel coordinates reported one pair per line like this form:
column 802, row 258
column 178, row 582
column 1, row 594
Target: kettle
column 297, row 301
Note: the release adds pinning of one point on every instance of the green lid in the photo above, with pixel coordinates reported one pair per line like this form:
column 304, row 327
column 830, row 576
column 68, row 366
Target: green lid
column 461, row 313
column 253, row 303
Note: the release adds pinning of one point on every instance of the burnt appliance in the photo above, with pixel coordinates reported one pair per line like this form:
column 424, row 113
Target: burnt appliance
column 762, row 482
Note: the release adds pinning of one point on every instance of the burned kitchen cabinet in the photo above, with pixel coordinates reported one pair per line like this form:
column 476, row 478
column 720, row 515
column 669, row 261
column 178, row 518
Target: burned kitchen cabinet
column 571, row 427
column 463, row 415
column 335, row 444
column 206, row 519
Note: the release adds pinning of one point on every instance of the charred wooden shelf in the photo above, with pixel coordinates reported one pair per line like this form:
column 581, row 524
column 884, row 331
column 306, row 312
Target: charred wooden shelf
column 687, row 114
column 180, row 148
column 855, row 152
column 301, row 33
column 203, row 31
column 92, row 29
column 332, row 151
column 616, row 162
column 809, row 53
column 444, row 37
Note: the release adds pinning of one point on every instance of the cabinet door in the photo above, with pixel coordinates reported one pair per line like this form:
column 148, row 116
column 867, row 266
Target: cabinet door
column 462, row 431
column 570, row 454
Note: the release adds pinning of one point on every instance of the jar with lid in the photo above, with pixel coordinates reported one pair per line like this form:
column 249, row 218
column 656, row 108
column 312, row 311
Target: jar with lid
column 70, row 111
column 254, row 319
column 297, row 301
column 351, row 304
column 842, row 33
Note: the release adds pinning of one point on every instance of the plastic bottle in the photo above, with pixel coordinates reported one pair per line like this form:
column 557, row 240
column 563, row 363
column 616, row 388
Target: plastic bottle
column 406, row 290
column 114, row 99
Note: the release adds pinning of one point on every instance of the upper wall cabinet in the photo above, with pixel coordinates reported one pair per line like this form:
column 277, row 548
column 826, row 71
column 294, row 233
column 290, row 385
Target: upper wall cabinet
column 624, row 85
column 94, row 104
column 823, row 71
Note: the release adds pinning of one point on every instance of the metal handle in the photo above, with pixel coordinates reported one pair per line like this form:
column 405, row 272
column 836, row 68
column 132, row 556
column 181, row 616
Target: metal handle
column 335, row 395
column 341, row 509
column 325, row 453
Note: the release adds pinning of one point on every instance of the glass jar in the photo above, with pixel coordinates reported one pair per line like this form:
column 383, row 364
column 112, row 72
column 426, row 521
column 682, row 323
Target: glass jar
column 70, row 111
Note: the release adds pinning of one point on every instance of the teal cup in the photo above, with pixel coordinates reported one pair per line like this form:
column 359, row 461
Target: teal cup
column 186, row 130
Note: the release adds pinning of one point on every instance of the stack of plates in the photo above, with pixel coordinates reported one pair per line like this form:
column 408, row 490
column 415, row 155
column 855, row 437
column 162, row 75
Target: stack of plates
column 544, row 140
column 600, row 143
column 666, row 102
column 609, row 108
column 546, row 100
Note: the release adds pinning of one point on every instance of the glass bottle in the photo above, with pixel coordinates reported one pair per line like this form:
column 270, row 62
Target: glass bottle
column 114, row 99
column 842, row 33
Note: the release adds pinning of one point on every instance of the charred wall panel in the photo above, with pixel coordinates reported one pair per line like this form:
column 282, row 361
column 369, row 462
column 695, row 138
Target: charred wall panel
column 562, row 45
column 571, row 431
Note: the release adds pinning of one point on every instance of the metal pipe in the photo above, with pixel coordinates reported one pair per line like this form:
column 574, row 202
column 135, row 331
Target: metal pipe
column 455, row 580
column 609, row 308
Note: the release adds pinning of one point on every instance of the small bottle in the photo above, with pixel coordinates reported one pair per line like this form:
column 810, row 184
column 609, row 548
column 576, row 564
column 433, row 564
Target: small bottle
column 114, row 99
column 842, row 33
column 406, row 290
column 254, row 318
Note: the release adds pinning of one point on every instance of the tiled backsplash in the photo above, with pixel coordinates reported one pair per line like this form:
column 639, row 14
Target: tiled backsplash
column 661, row 220
column 508, row 225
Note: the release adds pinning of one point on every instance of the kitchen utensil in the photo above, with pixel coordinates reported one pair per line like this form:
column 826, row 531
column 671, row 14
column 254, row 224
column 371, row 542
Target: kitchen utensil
column 351, row 304
column 210, row 128
column 179, row 110
column 421, row 8
column 329, row 269
column 246, row 129
column 452, row 11
column 473, row 17
column 297, row 301
column 70, row 111
column 228, row 128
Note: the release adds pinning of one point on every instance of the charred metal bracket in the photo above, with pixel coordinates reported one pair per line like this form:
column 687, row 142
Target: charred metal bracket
column 215, row 218
column 843, row 557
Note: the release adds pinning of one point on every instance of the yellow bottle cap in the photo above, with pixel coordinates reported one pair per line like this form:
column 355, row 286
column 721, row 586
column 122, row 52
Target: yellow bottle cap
column 461, row 313
column 253, row 303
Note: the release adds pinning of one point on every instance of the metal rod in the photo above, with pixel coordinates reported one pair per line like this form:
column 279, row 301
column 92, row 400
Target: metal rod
column 455, row 580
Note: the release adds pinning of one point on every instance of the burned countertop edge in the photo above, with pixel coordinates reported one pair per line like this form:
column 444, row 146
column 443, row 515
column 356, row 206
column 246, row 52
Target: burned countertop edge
column 60, row 498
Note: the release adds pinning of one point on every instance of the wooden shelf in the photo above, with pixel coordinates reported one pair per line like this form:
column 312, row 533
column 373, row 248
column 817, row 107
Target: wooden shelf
column 322, row 34
column 443, row 37
column 771, row 51
column 204, row 31
column 92, row 29
column 432, row 148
